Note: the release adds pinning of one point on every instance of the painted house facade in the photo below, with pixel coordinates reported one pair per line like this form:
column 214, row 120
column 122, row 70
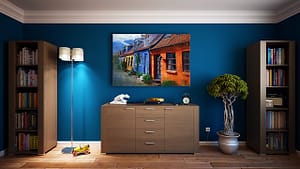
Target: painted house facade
column 170, row 59
column 142, row 52
column 126, row 57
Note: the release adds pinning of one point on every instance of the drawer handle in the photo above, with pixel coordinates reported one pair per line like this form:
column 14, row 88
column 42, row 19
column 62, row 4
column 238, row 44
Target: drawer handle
column 129, row 108
column 149, row 120
column 169, row 108
column 149, row 108
column 149, row 132
column 149, row 143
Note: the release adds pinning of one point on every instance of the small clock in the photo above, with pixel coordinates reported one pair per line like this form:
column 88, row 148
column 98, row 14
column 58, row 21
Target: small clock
column 186, row 99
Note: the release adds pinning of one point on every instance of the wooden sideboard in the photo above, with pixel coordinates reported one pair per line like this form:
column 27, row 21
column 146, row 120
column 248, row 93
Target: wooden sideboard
column 140, row 128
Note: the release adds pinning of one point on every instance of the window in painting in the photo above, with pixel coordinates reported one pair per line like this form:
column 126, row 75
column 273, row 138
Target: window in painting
column 186, row 61
column 171, row 61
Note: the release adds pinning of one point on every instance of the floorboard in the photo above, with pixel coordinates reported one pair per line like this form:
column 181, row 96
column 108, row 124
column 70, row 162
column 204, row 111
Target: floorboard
column 208, row 157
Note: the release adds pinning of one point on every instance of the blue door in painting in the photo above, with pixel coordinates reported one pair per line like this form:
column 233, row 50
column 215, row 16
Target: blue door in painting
column 143, row 62
column 157, row 67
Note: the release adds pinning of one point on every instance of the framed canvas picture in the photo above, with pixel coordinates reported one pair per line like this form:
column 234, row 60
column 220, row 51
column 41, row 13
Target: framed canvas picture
column 151, row 59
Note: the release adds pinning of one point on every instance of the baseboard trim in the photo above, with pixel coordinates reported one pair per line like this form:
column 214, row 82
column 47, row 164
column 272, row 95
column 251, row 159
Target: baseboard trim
column 208, row 143
column 2, row 153
column 215, row 143
column 77, row 142
column 202, row 143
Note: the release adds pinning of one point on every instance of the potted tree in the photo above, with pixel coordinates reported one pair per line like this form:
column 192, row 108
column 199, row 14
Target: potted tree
column 228, row 87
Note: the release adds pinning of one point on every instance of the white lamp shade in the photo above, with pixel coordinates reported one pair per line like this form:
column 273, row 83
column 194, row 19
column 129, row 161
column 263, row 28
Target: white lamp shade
column 77, row 54
column 65, row 53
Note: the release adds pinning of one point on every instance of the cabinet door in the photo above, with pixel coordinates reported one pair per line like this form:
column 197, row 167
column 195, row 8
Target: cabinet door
column 180, row 129
column 118, row 129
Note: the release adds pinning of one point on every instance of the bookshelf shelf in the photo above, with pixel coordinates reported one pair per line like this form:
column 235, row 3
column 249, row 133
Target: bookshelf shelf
column 274, row 152
column 278, row 87
column 277, row 65
column 32, row 97
column 26, row 66
column 25, row 131
column 31, row 152
column 271, row 100
column 277, row 109
column 27, row 109
column 277, row 130
column 33, row 88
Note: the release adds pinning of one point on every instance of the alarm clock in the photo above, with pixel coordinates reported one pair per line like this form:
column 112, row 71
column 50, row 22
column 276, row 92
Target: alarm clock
column 186, row 99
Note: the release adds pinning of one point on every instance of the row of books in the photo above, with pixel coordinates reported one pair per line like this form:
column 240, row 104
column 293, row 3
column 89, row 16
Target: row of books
column 27, row 142
column 27, row 78
column 276, row 120
column 27, row 56
column 276, row 141
column 27, row 100
column 276, row 56
column 26, row 120
column 276, row 77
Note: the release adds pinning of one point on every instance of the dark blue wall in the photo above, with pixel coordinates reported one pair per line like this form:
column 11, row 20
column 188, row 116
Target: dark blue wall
column 290, row 29
column 9, row 29
column 215, row 49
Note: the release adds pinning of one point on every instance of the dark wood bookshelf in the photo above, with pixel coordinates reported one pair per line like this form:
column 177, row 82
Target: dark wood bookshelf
column 32, row 102
column 271, row 74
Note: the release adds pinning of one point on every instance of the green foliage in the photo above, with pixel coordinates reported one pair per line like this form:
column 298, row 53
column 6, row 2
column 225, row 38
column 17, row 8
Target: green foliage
column 139, row 74
column 147, row 79
column 169, row 83
column 228, row 85
column 131, row 72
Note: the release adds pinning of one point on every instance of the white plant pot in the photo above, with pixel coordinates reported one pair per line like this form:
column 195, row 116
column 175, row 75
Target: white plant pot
column 228, row 144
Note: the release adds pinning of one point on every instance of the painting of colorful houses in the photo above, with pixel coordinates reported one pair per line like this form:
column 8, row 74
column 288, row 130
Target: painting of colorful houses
column 151, row 59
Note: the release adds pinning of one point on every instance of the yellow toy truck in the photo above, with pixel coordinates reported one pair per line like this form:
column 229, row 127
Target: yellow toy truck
column 85, row 149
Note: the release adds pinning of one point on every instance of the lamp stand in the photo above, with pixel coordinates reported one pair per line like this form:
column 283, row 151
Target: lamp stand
column 68, row 150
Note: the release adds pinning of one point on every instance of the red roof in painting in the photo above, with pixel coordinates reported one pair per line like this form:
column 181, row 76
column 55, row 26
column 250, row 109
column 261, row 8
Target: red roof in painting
column 172, row 39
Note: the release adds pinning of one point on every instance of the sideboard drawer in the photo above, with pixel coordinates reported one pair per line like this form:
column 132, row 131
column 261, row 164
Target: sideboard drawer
column 149, row 146
column 150, row 133
column 149, row 111
column 149, row 122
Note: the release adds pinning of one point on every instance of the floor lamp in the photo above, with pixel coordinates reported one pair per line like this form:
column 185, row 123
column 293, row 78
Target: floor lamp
column 66, row 54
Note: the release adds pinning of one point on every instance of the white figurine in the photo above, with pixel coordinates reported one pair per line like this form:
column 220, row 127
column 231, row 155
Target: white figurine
column 120, row 99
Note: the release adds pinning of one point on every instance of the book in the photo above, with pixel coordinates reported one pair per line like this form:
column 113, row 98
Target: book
column 275, row 56
column 276, row 120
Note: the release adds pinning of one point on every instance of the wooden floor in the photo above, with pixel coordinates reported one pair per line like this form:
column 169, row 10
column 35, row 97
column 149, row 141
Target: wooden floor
column 208, row 157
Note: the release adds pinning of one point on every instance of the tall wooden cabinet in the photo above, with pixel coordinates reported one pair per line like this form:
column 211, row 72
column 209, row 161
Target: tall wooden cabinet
column 32, row 89
column 271, row 99
column 139, row 128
